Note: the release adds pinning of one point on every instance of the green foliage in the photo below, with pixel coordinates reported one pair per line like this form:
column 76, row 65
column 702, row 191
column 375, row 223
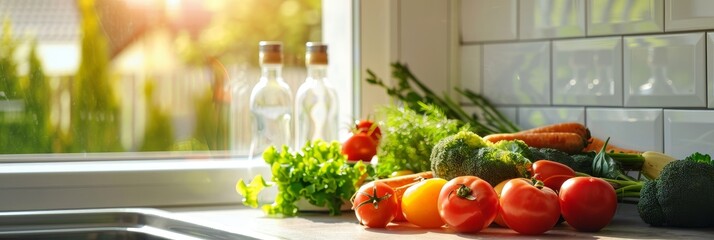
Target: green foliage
column 211, row 122
column 490, row 120
column 28, row 130
column 319, row 174
column 700, row 158
column 238, row 26
column 95, row 110
column 159, row 133
column 467, row 154
column 409, row 136
column 9, row 79
column 250, row 191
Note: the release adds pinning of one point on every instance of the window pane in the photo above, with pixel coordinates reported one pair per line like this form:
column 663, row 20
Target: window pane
column 140, row 75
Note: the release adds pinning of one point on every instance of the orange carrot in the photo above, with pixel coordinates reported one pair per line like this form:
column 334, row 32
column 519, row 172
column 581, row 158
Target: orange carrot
column 595, row 144
column 573, row 127
column 399, row 192
column 564, row 141
column 399, row 181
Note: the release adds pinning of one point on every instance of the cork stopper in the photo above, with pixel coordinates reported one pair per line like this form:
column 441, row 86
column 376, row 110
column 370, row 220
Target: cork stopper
column 316, row 53
column 271, row 52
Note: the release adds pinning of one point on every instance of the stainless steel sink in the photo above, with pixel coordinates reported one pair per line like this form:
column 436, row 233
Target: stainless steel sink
column 110, row 224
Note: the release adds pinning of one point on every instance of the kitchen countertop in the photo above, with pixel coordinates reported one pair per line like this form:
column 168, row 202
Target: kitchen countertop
column 317, row 225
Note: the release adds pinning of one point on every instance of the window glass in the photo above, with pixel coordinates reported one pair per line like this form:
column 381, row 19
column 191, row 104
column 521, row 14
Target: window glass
column 109, row 76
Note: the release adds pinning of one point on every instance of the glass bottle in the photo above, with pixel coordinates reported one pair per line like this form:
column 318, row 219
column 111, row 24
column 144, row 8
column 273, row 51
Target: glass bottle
column 270, row 102
column 316, row 100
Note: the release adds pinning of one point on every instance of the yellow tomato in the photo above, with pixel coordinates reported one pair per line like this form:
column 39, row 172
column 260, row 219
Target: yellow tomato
column 419, row 203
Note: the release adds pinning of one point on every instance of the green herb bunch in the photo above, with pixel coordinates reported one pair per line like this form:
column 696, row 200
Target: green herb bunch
column 318, row 173
column 486, row 121
column 410, row 135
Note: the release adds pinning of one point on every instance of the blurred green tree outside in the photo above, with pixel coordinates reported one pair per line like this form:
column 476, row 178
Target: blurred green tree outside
column 95, row 111
column 26, row 130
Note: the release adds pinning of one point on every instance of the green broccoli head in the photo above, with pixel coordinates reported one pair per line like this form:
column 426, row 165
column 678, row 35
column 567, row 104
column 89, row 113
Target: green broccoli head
column 516, row 146
column 467, row 154
column 648, row 206
column 684, row 193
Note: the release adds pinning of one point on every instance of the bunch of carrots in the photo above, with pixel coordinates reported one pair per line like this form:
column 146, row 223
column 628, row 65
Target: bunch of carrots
column 569, row 137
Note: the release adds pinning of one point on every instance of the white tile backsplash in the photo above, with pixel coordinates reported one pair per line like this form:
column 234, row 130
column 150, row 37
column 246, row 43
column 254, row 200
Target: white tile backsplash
column 510, row 113
column 487, row 20
column 638, row 129
column 530, row 117
column 609, row 17
column 588, row 72
column 551, row 18
column 529, row 77
column 471, row 67
column 688, row 131
column 688, row 15
column 517, row 73
column 665, row 71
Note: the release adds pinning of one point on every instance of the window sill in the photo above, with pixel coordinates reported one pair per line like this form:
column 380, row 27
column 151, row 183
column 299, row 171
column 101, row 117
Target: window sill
column 101, row 184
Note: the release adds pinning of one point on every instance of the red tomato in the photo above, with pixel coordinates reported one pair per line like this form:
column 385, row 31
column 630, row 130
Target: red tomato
column 468, row 204
column 370, row 128
column 529, row 208
column 544, row 170
column 587, row 203
column 359, row 147
column 375, row 204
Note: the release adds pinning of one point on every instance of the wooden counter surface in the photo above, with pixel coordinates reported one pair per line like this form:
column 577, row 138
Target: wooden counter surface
column 315, row 225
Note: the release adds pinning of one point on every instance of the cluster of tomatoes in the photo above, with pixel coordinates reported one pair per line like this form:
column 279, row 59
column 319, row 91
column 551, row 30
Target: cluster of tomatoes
column 362, row 145
column 469, row 204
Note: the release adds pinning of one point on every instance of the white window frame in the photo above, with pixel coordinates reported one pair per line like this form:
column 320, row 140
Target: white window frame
column 358, row 38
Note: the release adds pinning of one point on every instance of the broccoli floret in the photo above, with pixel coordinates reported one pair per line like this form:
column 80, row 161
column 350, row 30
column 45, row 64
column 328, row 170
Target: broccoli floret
column 648, row 206
column 582, row 163
column 550, row 154
column 682, row 196
column 516, row 146
column 466, row 153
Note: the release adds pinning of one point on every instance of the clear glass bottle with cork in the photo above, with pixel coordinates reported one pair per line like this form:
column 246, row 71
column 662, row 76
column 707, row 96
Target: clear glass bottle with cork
column 316, row 100
column 271, row 102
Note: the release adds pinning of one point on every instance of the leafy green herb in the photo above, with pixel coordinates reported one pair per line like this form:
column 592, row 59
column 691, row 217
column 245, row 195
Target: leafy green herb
column 318, row 173
column 250, row 192
column 700, row 158
column 410, row 135
column 488, row 121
